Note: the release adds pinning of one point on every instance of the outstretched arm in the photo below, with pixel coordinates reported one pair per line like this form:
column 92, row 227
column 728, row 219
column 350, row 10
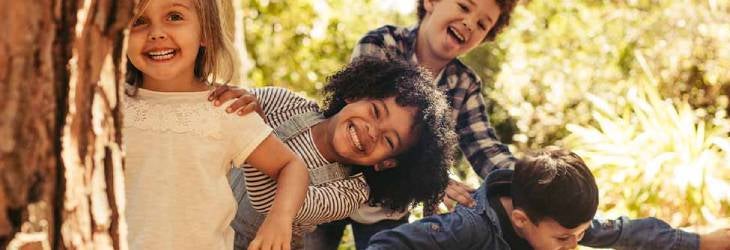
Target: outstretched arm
column 646, row 233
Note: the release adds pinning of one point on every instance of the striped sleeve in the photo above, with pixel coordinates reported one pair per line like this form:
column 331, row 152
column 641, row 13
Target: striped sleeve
column 325, row 202
column 274, row 101
column 333, row 201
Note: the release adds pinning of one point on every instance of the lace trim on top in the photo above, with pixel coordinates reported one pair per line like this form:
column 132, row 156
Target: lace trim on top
column 183, row 112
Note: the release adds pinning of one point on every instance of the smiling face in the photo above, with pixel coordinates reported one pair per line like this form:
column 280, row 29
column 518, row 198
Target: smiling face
column 369, row 131
column 454, row 27
column 164, row 41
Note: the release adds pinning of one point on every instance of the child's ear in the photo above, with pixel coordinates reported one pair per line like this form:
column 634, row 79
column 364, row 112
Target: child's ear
column 428, row 5
column 519, row 218
column 386, row 164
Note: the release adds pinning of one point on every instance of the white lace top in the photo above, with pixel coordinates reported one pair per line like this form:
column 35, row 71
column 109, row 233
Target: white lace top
column 179, row 149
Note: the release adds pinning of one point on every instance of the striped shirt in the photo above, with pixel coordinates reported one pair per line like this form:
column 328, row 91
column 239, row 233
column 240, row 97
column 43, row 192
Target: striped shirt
column 325, row 202
column 477, row 139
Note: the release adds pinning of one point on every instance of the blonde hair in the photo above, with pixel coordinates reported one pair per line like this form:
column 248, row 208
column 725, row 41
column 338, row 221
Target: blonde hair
column 217, row 61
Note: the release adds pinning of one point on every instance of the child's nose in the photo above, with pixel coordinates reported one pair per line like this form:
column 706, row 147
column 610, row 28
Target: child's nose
column 373, row 130
column 467, row 25
column 157, row 34
column 155, row 37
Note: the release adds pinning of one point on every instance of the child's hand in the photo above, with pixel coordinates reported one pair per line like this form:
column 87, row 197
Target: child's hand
column 458, row 192
column 245, row 103
column 717, row 240
column 274, row 233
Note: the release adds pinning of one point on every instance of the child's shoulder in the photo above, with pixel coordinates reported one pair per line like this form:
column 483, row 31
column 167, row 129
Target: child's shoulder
column 390, row 29
column 386, row 41
column 458, row 68
column 279, row 94
column 274, row 100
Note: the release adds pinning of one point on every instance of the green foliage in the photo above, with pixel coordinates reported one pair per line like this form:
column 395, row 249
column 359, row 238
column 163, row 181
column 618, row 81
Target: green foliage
column 656, row 157
column 296, row 44
column 556, row 53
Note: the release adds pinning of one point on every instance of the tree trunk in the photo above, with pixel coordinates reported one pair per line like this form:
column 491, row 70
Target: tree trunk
column 235, row 16
column 61, row 179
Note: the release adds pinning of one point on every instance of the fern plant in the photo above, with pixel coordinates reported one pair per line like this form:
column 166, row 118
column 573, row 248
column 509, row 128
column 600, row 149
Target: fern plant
column 656, row 157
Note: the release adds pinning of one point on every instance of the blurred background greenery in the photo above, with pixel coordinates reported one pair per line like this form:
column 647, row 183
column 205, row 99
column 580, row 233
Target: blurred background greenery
column 639, row 88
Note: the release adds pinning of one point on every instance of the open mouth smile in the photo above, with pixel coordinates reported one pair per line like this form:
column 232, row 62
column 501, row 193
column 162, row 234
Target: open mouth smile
column 355, row 139
column 454, row 33
column 161, row 55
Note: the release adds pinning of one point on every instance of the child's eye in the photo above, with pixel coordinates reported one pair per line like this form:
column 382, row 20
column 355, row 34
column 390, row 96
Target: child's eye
column 464, row 8
column 563, row 239
column 390, row 143
column 375, row 111
column 139, row 21
column 482, row 26
column 174, row 17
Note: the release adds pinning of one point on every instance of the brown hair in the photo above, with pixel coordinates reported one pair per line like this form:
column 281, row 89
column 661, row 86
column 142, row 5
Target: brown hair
column 217, row 61
column 555, row 183
column 505, row 12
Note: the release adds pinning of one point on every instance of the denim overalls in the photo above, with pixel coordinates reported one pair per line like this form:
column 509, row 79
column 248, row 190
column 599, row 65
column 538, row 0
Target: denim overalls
column 248, row 220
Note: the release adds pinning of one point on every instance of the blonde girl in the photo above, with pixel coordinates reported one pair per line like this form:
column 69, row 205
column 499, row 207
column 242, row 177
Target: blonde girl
column 179, row 148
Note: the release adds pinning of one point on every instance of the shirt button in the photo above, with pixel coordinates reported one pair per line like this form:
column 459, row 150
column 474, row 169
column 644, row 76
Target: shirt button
column 434, row 227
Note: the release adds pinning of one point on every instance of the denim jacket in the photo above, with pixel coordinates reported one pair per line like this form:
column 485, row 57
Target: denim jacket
column 479, row 228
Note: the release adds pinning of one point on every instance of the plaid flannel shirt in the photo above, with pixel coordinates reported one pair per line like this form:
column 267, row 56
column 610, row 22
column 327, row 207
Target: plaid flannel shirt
column 477, row 139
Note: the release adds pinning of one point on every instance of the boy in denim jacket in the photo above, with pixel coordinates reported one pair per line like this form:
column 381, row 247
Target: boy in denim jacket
column 547, row 202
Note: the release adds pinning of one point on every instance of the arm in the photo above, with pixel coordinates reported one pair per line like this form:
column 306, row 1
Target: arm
column 477, row 139
column 292, row 179
column 647, row 233
column 717, row 240
column 462, row 229
column 333, row 201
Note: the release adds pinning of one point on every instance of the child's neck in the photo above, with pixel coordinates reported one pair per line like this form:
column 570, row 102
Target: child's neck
column 182, row 84
column 426, row 57
column 321, row 132
column 508, row 208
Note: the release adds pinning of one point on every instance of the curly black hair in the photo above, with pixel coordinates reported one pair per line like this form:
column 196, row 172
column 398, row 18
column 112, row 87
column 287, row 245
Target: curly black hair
column 421, row 175
column 505, row 12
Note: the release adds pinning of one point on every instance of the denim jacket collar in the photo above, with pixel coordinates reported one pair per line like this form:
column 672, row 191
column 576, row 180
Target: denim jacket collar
column 497, row 177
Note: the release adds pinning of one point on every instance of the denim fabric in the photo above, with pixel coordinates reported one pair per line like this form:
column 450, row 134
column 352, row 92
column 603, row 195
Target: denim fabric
column 478, row 228
column 328, row 235
column 465, row 228
column 248, row 219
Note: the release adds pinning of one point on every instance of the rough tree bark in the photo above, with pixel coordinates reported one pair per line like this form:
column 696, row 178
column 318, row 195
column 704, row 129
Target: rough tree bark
column 60, row 73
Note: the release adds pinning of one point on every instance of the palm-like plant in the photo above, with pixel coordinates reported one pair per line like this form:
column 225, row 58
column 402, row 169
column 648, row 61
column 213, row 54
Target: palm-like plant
column 656, row 157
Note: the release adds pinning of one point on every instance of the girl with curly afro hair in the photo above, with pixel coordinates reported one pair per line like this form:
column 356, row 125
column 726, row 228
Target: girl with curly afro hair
column 384, row 121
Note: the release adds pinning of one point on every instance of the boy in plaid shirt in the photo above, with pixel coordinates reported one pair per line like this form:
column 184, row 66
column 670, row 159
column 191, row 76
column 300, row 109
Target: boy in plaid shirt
column 446, row 29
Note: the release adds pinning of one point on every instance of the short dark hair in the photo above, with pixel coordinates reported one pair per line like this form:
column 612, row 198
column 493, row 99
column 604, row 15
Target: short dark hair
column 421, row 174
column 505, row 12
column 555, row 183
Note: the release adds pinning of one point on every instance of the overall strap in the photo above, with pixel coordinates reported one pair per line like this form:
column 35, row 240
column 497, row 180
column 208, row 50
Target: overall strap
column 297, row 124
column 300, row 123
